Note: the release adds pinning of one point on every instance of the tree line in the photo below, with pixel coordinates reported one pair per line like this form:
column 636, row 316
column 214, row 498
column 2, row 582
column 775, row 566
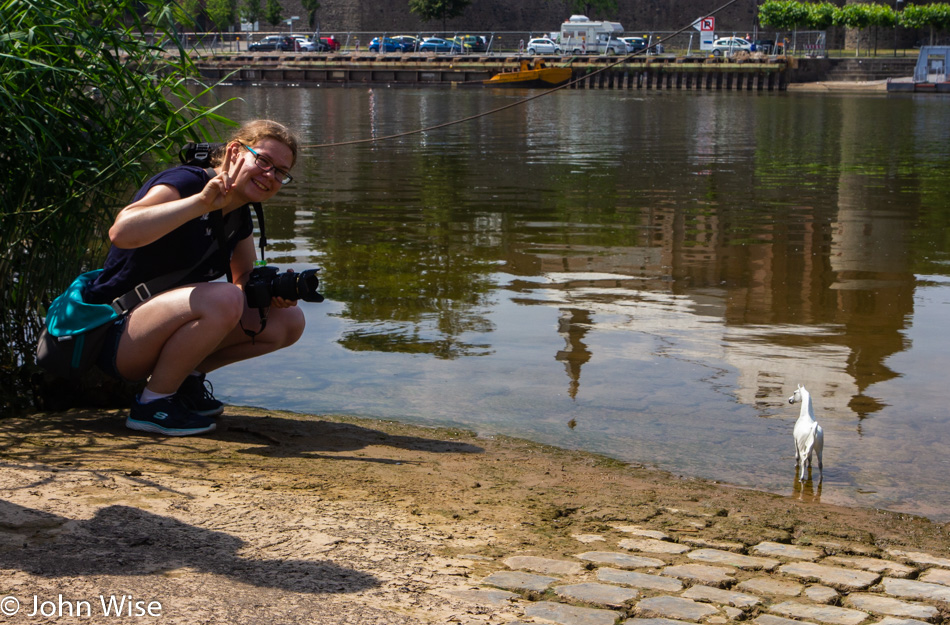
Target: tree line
column 794, row 15
column 223, row 14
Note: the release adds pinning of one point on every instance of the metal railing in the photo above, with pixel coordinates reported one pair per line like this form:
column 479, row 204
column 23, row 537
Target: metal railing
column 794, row 43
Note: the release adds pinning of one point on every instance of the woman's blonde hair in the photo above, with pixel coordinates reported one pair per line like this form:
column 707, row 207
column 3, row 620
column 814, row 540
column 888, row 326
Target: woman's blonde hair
column 260, row 129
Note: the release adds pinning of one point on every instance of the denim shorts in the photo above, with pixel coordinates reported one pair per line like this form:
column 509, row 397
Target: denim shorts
column 110, row 348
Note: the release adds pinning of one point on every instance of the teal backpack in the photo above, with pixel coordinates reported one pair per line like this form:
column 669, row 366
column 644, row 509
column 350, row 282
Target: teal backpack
column 74, row 332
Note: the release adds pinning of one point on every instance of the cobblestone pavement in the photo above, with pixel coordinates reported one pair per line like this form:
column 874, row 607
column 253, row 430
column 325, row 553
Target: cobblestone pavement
column 637, row 575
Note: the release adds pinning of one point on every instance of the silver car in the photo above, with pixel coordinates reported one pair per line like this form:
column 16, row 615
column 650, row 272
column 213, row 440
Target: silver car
column 730, row 45
column 543, row 46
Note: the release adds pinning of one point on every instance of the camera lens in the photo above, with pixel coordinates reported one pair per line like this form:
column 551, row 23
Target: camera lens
column 293, row 286
column 285, row 285
column 307, row 283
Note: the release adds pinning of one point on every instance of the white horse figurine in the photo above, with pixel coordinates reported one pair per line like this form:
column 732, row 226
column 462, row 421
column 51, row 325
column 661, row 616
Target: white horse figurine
column 808, row 434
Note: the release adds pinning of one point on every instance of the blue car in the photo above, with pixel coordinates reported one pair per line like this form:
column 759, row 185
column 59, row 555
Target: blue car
column 408, row 42
column 435, row 44
column 388, row 45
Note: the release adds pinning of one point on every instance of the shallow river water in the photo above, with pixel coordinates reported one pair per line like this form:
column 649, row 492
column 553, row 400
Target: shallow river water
column 643, row 275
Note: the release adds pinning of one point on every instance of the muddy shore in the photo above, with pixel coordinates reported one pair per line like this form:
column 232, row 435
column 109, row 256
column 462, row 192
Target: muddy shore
column 287, row 518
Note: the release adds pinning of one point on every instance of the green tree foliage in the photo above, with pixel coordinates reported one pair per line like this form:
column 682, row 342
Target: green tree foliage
column 429, row 10
column 934, row 17
column 792, row 14
column 882, row 15
column 915, row 16
column 222, row 13
column 89, row 101
column 311, row 7
column 187, row 12
column 273, row 12
column 855, row 15
column 783, row 14
column 940, row 16
column 821, row 15
column 251, row 11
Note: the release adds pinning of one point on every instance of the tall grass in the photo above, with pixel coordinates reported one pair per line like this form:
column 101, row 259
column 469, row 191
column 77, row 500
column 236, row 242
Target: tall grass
column 88, row 100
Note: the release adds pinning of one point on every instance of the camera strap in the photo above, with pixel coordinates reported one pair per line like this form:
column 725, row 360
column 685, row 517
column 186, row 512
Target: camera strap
column 221, row 244
column 262, row 241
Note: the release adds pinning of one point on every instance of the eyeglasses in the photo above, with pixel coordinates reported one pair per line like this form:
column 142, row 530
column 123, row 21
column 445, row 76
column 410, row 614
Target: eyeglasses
column 264, row 164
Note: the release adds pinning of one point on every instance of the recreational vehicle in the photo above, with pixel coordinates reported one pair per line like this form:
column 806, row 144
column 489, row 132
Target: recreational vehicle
column 580, row 35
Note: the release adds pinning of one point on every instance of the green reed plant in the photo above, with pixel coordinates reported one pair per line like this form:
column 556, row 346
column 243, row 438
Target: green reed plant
column 91, row 92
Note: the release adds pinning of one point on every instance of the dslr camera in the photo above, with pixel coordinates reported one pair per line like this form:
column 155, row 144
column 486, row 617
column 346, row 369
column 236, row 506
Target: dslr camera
column 267, row 282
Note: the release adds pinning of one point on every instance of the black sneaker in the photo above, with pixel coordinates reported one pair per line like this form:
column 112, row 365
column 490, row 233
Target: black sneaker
column 198, row 394
column 168, row 416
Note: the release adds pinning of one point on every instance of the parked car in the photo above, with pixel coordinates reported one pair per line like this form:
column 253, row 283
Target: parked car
column 408, row 42
column 301, row 43
column 308, row 45
column 542, row 46
column 388, row 44
column 763, row 45
column 437, row 44
column 271, row 43
column 634, row 44
column 332, row 42
column 470, row 43
column 730, row 45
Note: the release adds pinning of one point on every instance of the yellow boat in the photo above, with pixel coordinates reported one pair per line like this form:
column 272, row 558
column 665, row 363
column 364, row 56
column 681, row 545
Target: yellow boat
column 531, row 75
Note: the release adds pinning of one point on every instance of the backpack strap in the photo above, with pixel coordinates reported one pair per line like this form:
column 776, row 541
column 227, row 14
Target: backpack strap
column 262, row 239
column 146, row 290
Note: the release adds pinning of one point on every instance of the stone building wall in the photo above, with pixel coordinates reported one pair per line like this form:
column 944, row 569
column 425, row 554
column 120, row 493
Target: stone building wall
column 547, row 15
column 519, row 15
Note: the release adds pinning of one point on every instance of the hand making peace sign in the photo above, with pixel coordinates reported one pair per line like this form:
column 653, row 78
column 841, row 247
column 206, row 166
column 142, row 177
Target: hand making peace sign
column 216, row 193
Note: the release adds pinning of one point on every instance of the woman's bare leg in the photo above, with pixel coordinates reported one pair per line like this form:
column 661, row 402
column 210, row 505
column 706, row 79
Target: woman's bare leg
column 168, row 336
column 284, row 327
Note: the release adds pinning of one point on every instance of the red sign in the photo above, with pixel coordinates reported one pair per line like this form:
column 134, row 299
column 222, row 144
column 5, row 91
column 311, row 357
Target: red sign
column 707, row 23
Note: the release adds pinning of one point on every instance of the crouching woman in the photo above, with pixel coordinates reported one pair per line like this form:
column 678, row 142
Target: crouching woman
column 174, row 337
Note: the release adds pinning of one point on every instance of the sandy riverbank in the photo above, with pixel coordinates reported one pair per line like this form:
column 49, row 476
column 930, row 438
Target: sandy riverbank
column 840, row 86
column 287, row 518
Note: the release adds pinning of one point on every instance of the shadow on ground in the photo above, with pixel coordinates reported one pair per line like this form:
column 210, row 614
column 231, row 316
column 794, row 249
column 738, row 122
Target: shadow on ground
column 85, row 434
column 121, row 540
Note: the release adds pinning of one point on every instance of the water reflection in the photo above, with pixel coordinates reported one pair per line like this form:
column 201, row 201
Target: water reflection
column 573, row 325
column 807, row 490
column 658, row 270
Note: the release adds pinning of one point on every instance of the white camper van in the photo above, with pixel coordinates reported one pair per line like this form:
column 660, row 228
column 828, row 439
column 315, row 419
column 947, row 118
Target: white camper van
column 579, row 35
